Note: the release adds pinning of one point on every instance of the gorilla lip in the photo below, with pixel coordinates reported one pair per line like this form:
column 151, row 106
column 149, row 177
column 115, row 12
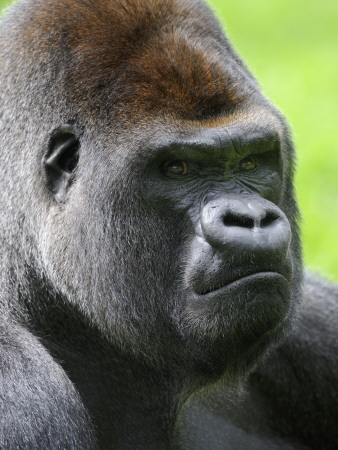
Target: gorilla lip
column 222, row 289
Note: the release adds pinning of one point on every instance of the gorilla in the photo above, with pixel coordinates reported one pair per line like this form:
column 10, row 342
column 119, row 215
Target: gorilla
column 151, row 267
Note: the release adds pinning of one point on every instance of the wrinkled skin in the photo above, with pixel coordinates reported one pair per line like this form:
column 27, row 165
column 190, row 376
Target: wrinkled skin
column 148, row 226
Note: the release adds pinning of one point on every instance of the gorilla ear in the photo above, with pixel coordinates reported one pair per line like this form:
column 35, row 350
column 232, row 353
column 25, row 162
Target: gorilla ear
column 60, row 160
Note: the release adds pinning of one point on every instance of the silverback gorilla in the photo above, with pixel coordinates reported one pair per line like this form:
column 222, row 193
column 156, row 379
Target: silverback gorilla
column 150, row 257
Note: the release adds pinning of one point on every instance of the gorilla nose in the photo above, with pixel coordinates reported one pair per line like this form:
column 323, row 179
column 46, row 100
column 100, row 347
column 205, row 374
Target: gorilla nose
column 254, row 227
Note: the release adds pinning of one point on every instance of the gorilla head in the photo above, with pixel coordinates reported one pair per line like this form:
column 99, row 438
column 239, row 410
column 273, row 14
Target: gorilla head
column 146, row 181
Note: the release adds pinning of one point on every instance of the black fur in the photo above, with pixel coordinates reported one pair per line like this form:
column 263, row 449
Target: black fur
column 289, row 402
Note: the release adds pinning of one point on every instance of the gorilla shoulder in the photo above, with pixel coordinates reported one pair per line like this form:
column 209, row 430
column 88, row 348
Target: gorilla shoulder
column 290, row 401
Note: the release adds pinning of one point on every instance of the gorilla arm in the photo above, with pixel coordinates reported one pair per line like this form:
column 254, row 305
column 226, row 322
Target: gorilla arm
column 39, row 406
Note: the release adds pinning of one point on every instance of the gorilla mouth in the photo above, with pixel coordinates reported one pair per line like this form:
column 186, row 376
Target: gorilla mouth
column 227, row 287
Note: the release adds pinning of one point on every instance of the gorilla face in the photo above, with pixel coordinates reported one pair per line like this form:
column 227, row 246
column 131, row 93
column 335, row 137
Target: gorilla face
column 176, row 236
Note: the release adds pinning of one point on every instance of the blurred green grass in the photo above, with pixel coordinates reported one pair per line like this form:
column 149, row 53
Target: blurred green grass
column 292, row 48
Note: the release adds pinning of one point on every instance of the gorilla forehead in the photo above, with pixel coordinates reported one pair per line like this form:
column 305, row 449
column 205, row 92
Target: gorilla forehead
column 167, row 55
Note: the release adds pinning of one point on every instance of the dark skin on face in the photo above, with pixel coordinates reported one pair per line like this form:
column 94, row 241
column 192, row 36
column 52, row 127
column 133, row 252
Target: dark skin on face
column 149, row 229
column 228, row 191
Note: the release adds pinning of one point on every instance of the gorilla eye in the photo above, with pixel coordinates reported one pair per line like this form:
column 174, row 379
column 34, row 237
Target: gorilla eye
column 176, row 168
column 247, row 164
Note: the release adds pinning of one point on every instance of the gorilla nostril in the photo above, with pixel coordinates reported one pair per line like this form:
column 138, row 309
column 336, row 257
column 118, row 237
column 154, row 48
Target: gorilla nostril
column 269, row 219
column 232, row 220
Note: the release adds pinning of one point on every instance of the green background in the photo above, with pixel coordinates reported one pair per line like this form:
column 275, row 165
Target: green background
column 292, row 48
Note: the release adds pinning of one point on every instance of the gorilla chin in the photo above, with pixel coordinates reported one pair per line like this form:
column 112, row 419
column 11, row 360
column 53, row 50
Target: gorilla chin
column 237, row 324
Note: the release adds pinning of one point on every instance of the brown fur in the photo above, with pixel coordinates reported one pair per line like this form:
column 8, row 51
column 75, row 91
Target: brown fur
column 152, row 56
